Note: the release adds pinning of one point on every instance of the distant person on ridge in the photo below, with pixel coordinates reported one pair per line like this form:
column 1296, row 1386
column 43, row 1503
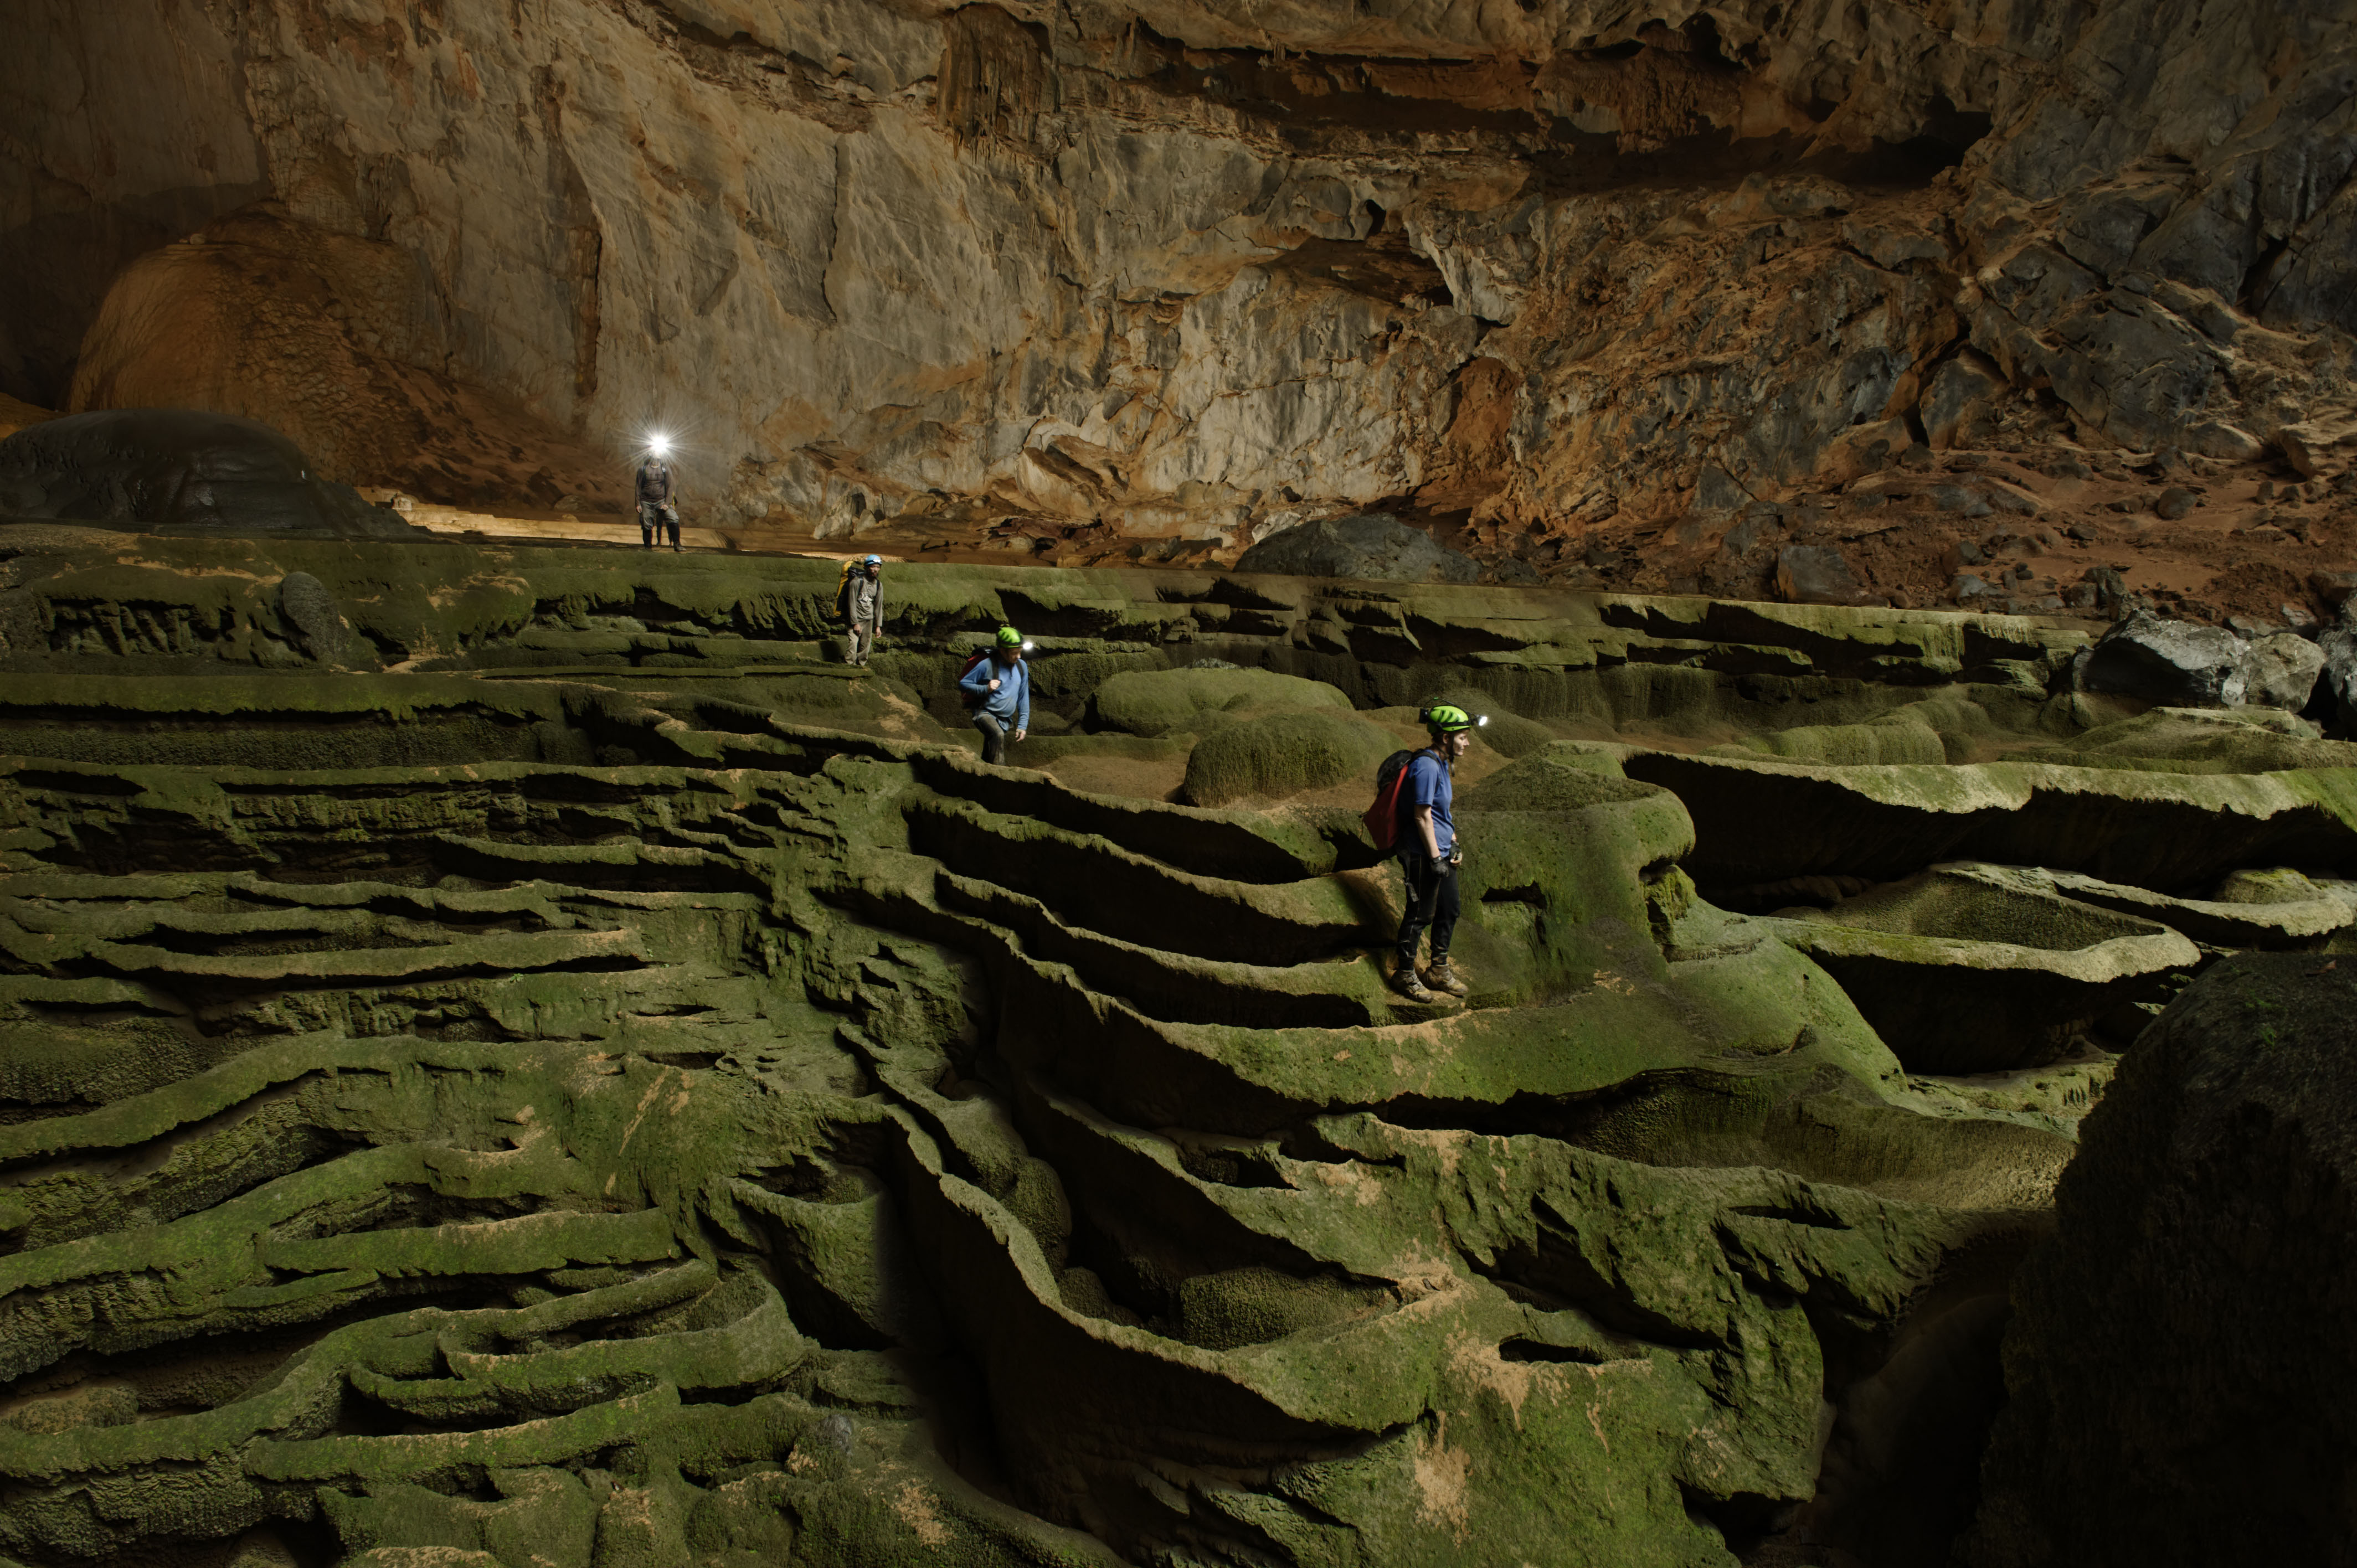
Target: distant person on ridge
column 863, row 610
column 998, row 688
column 655, row 506
column 1429, row 855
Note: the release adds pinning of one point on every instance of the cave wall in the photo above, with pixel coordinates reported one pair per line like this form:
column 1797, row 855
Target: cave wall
column 1191, row 270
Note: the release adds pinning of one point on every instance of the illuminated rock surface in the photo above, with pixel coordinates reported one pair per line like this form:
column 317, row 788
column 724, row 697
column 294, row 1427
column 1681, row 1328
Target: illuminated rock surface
column 1620, row 297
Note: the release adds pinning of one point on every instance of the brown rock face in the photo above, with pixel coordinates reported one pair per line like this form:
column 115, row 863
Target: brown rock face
column 2172, row 1361
column 340, row 343
column 1557, row 276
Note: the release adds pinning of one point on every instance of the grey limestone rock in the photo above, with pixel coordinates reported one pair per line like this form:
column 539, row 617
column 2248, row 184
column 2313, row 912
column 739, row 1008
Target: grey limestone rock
column 2337, row 645
column 2169, row 661
column 2279, row 671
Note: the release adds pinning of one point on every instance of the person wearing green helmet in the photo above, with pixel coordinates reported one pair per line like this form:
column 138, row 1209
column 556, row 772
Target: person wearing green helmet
column 998, row 690
column 1429, row 855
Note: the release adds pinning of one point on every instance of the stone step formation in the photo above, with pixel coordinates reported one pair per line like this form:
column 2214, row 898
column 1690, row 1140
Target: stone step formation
column 510, row 1056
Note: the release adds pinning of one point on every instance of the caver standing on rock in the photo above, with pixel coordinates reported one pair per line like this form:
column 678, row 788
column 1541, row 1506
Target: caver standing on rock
column 863, row 610
column 655, row 505
column 1429, row 855
column 999, row 691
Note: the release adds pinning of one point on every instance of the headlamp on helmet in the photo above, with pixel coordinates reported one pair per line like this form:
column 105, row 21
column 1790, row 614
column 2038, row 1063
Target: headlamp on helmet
column 1445, row 719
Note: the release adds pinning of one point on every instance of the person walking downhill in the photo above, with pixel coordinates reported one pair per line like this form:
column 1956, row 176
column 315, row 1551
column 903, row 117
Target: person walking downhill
column 998, row 689
column 1429, row 855
column 656, row 507
column 863, row 610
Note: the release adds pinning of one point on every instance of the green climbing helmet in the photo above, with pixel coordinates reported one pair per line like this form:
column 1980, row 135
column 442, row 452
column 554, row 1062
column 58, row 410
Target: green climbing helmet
column 1448, row 720
column 1009, row 638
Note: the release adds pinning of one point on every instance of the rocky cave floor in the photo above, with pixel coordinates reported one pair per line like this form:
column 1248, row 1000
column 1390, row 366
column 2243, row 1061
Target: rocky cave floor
column 512, row 1054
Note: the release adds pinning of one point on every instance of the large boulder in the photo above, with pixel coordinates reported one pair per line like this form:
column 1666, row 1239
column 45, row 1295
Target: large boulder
column 180, row 472
column 2179, row 1359
column 2185, row 665
column 2279, row 671
column 1375, row 546
column 2169, row 661
column 1283, row 753
column 1201, row 698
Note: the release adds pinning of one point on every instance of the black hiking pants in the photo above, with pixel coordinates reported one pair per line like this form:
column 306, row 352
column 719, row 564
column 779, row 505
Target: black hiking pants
column 1431, row 901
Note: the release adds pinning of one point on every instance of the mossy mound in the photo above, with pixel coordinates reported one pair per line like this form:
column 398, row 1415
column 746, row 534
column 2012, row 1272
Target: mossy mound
column 1283, row 754
column 1153, row 703
column 1512, row 735
column 1562, row 776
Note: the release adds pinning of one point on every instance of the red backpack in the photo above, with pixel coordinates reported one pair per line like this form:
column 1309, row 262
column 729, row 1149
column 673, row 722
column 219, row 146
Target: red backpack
column 1382, row 818
column 966, row 668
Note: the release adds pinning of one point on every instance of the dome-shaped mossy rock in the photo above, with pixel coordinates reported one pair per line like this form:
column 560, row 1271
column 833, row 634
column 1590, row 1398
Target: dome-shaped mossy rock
column 1513, row 736
column 1283, row 753
column 1563, row 777
column 1150, row 702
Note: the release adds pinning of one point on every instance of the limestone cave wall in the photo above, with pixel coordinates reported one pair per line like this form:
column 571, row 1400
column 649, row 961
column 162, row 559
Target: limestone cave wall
column 1183, row 268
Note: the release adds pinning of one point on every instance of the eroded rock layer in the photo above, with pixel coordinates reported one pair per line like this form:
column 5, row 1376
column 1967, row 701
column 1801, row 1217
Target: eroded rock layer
column 510, row 1056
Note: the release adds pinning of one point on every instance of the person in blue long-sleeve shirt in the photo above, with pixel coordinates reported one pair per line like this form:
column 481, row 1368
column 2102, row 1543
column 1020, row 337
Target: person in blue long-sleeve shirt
column 998, row 689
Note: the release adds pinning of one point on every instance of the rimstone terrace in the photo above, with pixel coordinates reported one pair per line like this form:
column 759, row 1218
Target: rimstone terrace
column 517, row 1055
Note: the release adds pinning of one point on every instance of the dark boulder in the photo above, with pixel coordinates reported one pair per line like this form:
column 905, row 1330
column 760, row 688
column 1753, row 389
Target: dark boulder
column 2173, row 662
column 172, row 470
column 1375, row 546
column 1816, row 574
column 2179, row 1360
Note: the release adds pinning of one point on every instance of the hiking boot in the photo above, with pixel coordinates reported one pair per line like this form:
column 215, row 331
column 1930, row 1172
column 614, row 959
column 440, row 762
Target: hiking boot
column 1441, row 977
column 1404, row 981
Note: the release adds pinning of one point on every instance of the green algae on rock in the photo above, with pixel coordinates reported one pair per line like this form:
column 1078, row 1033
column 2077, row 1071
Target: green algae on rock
column 612, row 1086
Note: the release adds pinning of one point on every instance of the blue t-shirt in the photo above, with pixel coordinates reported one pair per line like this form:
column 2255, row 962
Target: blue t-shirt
column 1011, row 703
column 1427, row 785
